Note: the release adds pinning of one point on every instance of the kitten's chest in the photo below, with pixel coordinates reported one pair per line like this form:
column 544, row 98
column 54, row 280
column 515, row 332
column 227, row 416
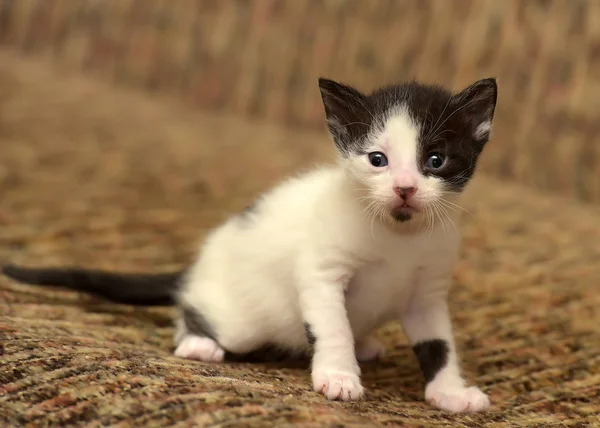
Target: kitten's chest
column 392, row 269
column 378, row 292
column 381, row 288
column 384, row 279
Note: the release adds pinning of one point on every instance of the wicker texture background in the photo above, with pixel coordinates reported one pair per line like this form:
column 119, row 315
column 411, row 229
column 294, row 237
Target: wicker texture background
column 262, row 58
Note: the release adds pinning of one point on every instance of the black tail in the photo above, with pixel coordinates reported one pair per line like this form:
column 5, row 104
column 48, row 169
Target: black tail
column 135, row 289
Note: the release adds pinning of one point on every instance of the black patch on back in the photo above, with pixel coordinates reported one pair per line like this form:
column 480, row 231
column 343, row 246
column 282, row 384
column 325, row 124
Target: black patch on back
column 432, row 356
column 196, row 324
column 447, row 121
column 309, row 334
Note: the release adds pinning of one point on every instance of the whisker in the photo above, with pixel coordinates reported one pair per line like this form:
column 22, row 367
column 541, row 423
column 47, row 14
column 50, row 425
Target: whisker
column 372, row 232
column 382, row 218
column 456, row 111
column 432, row 214
column 443, row 203
column 446, row 201
column 354, row 123
column 449, row 218
column 434, row 127
column 435, row 207
column 426, row 218
column 421, row 224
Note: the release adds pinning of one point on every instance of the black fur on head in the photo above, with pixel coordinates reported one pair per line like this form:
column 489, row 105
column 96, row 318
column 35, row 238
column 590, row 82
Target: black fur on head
column 457, row 125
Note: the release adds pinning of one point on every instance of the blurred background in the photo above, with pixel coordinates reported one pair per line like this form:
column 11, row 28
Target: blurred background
column 128, row 128
column 261, row 59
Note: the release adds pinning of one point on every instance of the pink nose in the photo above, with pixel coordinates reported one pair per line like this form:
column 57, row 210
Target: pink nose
column 405, row 192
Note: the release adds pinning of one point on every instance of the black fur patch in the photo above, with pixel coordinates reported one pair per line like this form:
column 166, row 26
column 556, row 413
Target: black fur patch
column 402, row 216
column 432, row 356
column 447, row 121
column 309, row 334
column 453, row 132
column 196, row 324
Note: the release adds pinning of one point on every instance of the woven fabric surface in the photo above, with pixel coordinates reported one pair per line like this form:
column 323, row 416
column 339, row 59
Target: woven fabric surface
column 98, row 177
column 262, row 58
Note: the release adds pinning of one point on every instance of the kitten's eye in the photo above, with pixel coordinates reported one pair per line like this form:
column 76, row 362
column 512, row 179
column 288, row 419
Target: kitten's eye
column 378, row 159
column 435, row 161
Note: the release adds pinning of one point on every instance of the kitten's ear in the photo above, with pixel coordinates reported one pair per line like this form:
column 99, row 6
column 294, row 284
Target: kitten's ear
column 347, row 113
column 479, row 102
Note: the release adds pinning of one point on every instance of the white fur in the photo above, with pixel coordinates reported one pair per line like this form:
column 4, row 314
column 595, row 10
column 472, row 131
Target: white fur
column 483, row 129
column 398, row 140
column 200, row 348
column 322, row 248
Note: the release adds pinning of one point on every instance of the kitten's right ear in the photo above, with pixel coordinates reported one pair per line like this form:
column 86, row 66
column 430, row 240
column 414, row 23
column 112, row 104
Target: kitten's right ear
column 347, row 113
column 479, row 102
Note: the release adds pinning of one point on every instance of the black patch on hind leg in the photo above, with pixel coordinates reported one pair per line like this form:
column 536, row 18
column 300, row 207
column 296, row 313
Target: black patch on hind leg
column 195, row 323
column 309, row 334
column 432, row 356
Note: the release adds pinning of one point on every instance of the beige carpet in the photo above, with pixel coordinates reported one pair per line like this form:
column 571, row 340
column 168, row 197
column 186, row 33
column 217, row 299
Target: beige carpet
column 96, row 177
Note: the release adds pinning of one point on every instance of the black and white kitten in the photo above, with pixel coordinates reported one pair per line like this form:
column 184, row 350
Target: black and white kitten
column 323, row 259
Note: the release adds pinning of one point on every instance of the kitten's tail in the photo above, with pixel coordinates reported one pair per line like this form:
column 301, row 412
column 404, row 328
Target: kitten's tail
column 131, row 288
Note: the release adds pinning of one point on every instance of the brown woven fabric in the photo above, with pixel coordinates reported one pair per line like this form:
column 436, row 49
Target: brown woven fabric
column 101, row 178
column 262, row 58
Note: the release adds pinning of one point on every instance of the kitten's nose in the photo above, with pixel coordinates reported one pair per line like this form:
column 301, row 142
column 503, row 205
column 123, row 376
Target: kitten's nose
column 405, row 192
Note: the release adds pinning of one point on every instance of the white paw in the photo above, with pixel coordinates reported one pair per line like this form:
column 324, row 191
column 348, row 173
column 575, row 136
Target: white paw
column 457, row 399
column 337, row 385
column 200, row 348
column 369, row 349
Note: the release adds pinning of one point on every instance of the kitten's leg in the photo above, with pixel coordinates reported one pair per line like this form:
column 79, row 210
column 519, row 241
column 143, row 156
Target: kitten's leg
column 427, row 324
column 368, row 349
column 200, row 348
column 193, row 341
column 335, row 371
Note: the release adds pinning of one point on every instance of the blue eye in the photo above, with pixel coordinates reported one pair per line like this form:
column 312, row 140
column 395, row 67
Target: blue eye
column 378, row 159
column 435, row 161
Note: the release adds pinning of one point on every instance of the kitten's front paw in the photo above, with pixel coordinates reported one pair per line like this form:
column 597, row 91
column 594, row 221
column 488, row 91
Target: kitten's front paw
column 368, row 349
column 337, row 385
column 456, row 399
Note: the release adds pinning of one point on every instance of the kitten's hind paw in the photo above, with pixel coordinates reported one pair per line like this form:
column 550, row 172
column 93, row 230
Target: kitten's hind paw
column 337, row 385
column 457, row 399
column 200, row 348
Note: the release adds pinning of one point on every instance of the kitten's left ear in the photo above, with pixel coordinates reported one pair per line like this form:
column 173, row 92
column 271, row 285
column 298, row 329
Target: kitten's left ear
column 479, row 102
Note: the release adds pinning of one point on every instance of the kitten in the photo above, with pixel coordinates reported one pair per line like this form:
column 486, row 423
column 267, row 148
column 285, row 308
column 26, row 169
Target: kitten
column 323, row 259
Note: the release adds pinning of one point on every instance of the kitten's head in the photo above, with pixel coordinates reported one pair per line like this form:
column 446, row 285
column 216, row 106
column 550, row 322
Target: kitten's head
column 409, row 146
